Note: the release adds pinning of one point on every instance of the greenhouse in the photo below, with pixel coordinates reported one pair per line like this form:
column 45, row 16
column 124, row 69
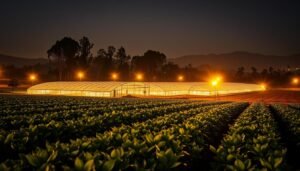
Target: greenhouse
column 119, row 89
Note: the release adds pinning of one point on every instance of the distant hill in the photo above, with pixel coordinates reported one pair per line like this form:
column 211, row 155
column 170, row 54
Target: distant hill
column 19, row 61
column 237, row 59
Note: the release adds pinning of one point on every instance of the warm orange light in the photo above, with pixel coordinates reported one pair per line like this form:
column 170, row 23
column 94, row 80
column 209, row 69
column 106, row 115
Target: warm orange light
column 216, row 80
column 263, row 86
column 32, row 77
column 295, row 81
column 214, row 83
column 180, row 78
column 80, row 75
column 114, row 76
column 219, row 78
column 139, row 76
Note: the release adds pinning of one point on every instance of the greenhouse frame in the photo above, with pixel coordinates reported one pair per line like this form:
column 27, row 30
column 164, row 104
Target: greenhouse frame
column 119, row 89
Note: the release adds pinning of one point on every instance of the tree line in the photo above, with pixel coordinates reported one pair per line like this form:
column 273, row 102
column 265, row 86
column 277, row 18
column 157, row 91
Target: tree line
column 68, row 56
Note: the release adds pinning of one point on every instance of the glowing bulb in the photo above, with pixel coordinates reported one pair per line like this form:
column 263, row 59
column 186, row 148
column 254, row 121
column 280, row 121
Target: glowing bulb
column 295, row 81
column 114, row 76
column 32, row 77
column 139, row 76
column 180, row 78
column 214, row 83
column 80, row 75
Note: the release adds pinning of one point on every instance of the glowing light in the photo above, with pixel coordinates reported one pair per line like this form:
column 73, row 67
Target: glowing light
column 219, row 78
column 32, row 77
column 214, row 83
column 295, row 81
column 104, row 89
column 139, row 76
column 180, row 78
column 114, row 76
column 263, row 86
column 80, row 75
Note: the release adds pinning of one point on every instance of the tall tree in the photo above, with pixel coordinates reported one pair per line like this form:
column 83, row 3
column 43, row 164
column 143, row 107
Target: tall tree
column 170, row 71
column 122, row 62
column 85, row 55
column 64, row 52
column 104, row 63
column 150, row 63
column 240, row 73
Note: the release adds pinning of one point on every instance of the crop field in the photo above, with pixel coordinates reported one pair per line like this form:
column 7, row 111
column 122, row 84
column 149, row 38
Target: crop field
column 81, row 133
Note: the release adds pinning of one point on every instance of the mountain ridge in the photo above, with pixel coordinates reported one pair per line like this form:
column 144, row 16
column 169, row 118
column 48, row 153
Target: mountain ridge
column 237, row 59
column 20, row 61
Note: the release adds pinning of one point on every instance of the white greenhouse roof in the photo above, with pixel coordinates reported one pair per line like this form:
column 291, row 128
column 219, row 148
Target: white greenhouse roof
column 114, row 89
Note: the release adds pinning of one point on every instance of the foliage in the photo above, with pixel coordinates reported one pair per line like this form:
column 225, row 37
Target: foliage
column 252, row 143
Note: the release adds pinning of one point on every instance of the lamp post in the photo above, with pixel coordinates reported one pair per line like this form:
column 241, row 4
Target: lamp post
column 214, row 84
column 264, row 88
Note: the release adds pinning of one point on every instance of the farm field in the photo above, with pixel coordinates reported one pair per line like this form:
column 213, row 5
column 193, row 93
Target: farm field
column 284, row 96
column 82, row 133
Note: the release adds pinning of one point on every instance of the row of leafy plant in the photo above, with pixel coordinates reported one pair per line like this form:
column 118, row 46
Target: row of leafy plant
column 67, row 104
column 176, row 141
column 289, row 121
column 295, row 106
column 252, row 143
column 12, row 122
column 24, row 139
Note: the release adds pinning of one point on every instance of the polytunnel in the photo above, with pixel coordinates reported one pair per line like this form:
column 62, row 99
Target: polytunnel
column 119, row 89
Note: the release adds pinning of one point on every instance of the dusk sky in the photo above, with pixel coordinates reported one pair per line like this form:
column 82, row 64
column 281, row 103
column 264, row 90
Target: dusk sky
column 29, row 28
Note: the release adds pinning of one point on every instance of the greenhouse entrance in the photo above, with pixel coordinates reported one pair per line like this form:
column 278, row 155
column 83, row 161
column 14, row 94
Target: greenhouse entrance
column 132, row 89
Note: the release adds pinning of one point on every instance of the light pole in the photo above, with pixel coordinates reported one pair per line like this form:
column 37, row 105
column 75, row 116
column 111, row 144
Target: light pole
column 214, row 84
column 264, row 88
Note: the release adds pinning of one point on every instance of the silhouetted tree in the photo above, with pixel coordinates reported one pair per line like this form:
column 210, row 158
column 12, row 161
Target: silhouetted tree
column 170, row 71
column 122, row 62
column 240, row 74
column 150, row 63
column 64, row 52
column 85, row 55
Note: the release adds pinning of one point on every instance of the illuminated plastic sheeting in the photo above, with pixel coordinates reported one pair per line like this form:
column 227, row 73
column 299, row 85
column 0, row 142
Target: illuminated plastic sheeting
column 118, row 89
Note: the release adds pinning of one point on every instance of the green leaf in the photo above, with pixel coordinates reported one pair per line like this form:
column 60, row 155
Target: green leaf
column 265, row 163
column 78, row 164
column 176, row 164
column 181, row 131
column 229, row 157
column 212, row 148
column 108, row 165
column 32, row 160
column 89, row 165
column 239, row 164
column 277, row 162
column 9, row 138
column 52, row 156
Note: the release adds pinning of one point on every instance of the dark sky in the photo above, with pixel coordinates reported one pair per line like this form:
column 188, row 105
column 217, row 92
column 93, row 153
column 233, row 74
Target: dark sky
column 29, row 27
